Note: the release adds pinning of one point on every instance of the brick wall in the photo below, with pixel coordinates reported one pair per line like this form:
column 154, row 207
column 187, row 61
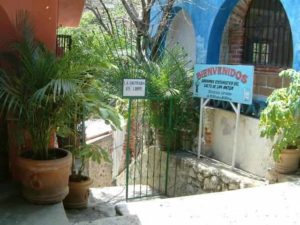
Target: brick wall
column 266, row 78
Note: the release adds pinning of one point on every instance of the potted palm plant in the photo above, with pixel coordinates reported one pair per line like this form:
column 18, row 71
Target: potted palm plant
column 90, row 102
column 79, row 182
column 280, row 122
column 34, row 91
column 169, row 79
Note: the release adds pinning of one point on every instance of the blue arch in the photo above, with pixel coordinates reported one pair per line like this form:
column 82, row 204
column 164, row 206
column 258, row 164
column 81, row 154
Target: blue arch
column 292, row 10
column 216, row 32
column 214, row 42
column 209, row 23
column 187, row 7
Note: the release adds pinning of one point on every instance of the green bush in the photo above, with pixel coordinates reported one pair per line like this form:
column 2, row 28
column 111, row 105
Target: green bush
column 280, row 121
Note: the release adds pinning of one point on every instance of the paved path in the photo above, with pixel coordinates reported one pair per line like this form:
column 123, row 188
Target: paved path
column 277, row 204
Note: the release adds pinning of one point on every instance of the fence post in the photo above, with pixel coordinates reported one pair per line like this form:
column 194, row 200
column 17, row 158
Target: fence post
column 168, row 144
column 127, row 147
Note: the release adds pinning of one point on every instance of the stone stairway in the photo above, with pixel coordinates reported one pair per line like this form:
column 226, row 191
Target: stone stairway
column 269, row 205
column 106, row 206
column 119, row 220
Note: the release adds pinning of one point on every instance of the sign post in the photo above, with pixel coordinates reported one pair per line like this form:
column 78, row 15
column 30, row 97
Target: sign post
column 203, row 103
column 233, row 84
column 134, row 88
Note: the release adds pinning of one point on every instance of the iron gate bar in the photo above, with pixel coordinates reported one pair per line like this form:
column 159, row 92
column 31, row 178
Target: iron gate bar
column 135, row 145
column 168, row 147
column 142, row 146
column 127, row 145
column 142, row 131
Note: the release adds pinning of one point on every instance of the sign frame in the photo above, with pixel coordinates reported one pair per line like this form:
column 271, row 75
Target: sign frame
column 231, row 83
column 204, row 100
column 144, row 95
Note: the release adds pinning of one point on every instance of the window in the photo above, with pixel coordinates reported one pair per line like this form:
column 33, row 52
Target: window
column 268, row 39
column 63, row 44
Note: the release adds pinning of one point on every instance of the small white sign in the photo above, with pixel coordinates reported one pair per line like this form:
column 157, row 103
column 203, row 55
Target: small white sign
column 134, row 88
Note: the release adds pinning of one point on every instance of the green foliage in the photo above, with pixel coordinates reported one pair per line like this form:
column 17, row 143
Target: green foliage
column 86, row 152
column 167, row 77
column 281, row 119
column 35, row 91
column 45, row 92
column 94, row 49
column 92, row 98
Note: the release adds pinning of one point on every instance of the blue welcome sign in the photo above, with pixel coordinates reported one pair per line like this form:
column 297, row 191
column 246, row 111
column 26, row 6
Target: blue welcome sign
column 233, row 83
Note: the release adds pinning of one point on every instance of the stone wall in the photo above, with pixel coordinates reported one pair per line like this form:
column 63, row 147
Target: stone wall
column 101, row 173
column 186, row 175
column 203, row 176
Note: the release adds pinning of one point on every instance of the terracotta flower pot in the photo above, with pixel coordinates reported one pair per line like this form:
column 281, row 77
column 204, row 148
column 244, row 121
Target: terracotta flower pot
column 78, row 194
column 288, row 162
column 45, row 181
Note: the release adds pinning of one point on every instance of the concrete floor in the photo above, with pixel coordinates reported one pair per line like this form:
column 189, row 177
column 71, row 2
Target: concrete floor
column 269, row 205
column 14, row 210
column 277, row 204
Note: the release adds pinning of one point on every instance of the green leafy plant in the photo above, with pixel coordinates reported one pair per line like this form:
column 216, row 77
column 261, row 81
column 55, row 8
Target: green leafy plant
column 280, row 121
column 90, row 101
column 35, row 89
column 169, row 79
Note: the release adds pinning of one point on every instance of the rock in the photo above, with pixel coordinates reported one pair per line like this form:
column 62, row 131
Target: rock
column 201, row 167
column 225, row 179
column 122, row 210
column 224, row 187
column 211, row 184
column 206, row 173
column 214, row 172
column 233, row 186
column 211, row 171
column 105, row 210
column 200, row 192
column 192, row 173
column 196, row 183
column 200, row 177
column 190, row 190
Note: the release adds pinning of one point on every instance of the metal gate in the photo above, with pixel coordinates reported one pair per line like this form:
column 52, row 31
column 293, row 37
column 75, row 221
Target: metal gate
column 149, row 134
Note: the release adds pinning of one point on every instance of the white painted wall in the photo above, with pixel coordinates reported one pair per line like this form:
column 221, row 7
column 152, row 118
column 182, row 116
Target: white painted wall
column 182, row 32
column 253, row 152
column 117, row 154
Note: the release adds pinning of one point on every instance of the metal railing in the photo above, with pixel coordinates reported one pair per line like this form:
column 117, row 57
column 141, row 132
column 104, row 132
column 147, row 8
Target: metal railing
column 253, row 110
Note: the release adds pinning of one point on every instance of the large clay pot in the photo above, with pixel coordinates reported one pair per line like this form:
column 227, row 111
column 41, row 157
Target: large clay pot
column 78, row 194
column 288, row 162
column 45, row 181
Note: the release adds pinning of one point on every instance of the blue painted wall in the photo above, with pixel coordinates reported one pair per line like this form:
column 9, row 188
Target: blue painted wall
column 209, row 18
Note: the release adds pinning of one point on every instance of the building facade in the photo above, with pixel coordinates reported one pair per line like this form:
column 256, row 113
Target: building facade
column 46, row 16
column 263, row 33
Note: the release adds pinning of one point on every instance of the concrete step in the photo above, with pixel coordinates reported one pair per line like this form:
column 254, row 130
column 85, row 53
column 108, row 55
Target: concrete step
column 274, row 204
column 118, row 220
column 14, row 210
column 9, row 189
